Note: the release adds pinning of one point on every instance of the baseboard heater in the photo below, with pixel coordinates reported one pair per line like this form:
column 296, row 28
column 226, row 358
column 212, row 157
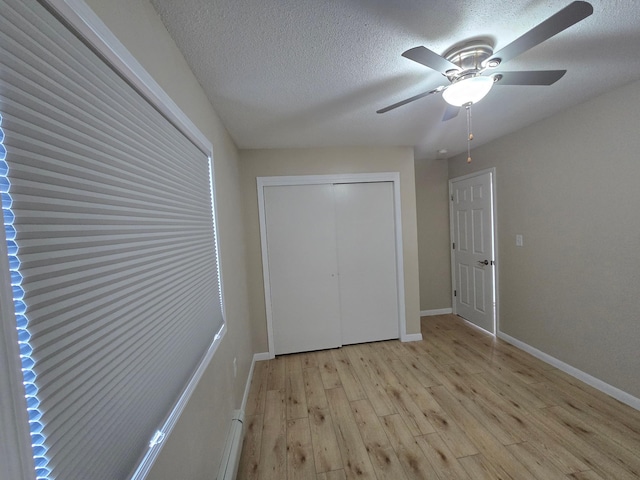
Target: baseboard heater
column 233, row 448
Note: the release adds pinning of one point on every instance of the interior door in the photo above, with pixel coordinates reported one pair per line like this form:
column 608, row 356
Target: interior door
column 473, row 252
column 301, row 250
column 366, row 240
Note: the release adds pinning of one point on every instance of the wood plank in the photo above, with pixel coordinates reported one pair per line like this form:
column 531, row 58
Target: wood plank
column 352, row 387
column 412, row 459
column 300, row 464
column 513, row 391
column 586, row 475
column 434, row 353
column 535, row 462
column 383, row 457
column 453, row 436
column 309, row 360
column 471, row 360
column 409, row 360
column 370, row 383
column 548, row 421
column 275, row 376
column 333, row 475
column 357, row 464
column 273, row 462
column 257, row 390
column 479, row 468
column 295, row 391
column 595, row 400
column 625, row 458
column 489, row 416
column 605, row 425
column 328, row 371
column 440, row 456
column 554, row 451
column 414, row 417
column 250, row 456
column 326, row 451
column 314, row 389
column 553, row 425
column 483, row 439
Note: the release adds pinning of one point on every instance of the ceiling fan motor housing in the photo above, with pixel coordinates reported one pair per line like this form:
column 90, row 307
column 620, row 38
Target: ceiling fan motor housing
column 470, row 57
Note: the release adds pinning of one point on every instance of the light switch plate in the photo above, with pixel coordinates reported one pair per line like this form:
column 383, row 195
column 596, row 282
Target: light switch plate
column 519, row 241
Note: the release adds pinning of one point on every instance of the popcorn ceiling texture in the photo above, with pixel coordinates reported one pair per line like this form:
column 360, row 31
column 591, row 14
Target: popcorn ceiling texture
column 308, row 73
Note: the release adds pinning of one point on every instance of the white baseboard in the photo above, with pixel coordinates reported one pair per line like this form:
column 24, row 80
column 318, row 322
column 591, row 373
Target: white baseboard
column 440, row 311
column 259, row 357
column 411, row 337
column 256, row 358
column 610, row 390
column 233, row 446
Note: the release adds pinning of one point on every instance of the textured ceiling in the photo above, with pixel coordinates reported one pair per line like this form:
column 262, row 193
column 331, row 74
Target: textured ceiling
column 312, row 73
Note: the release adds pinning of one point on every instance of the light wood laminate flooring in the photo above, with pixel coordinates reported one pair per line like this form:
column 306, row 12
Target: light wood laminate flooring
column 459, row 404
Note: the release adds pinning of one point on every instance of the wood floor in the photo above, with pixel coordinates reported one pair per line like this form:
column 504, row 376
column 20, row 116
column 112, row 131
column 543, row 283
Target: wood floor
column 457, row 405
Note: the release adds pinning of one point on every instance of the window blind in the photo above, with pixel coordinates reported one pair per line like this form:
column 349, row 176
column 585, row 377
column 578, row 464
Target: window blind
column 109, row 221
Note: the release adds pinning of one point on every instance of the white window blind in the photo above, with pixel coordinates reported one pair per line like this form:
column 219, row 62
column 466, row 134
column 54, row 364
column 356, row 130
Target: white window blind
column 109, row 223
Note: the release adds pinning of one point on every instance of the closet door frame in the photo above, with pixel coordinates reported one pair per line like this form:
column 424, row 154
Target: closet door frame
column 393, row 177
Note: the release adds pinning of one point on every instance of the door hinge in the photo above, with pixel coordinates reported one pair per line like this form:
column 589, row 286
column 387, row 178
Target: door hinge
column 452, row 198
column 455, row 293
column 453, row 245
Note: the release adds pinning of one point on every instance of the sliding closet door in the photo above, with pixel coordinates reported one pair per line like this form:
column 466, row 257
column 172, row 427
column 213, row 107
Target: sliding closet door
column 366, row 243
column 301, row 246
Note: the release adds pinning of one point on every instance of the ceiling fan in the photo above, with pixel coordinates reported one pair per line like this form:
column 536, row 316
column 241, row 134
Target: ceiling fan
column 469, row 66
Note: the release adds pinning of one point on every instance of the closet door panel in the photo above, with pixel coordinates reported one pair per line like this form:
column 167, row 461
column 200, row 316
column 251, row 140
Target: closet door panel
column 366, row 241
column 301, row 250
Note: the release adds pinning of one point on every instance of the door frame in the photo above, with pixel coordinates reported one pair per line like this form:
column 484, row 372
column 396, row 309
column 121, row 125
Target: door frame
column 494, row 230
column 393, row 177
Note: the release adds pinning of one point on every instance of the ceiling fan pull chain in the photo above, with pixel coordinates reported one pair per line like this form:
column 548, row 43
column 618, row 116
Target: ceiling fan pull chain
column 469, row 134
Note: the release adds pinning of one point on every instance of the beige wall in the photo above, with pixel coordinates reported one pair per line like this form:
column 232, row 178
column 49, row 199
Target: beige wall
column 194, row 448
column 570, row 186
column 434, row 250
column 263, row 163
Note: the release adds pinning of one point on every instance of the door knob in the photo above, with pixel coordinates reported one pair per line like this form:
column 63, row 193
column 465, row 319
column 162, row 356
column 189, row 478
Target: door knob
column 483, row 262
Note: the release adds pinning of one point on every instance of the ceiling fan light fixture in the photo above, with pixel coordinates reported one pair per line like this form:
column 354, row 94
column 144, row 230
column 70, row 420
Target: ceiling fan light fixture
column 467, row 91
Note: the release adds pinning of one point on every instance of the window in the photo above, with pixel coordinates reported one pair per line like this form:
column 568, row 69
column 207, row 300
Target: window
column 110, row 230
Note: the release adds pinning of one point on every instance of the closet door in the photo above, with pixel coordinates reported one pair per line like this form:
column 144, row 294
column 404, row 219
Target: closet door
column 301, row 250
column 366, row 241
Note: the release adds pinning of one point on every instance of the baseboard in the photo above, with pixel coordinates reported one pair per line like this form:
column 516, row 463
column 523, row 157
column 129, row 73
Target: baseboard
column 233, row 448
column 231, row 454
column 439, row 311
column 411, row 337
column 596, row 383
column 259, row 357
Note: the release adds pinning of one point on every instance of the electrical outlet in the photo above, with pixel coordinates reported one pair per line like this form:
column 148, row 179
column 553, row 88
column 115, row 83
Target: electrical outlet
column 519, row 241
column 235, row 367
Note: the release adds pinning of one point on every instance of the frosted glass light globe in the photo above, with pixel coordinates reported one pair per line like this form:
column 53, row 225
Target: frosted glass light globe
column 467, row 91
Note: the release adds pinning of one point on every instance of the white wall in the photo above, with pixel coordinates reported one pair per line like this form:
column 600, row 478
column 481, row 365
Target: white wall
column 194, row 449
column 571, row 186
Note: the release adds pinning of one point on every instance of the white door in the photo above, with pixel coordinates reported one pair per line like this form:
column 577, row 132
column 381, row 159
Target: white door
column 366, row 239
column 301, row 249
column 332, row 269
column 473, row 249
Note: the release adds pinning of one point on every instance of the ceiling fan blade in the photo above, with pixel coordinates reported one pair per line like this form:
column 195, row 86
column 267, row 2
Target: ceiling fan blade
column 570, row 15
column 539, row 77
column 409, row 100
column 450, row 112
column 430, row 59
